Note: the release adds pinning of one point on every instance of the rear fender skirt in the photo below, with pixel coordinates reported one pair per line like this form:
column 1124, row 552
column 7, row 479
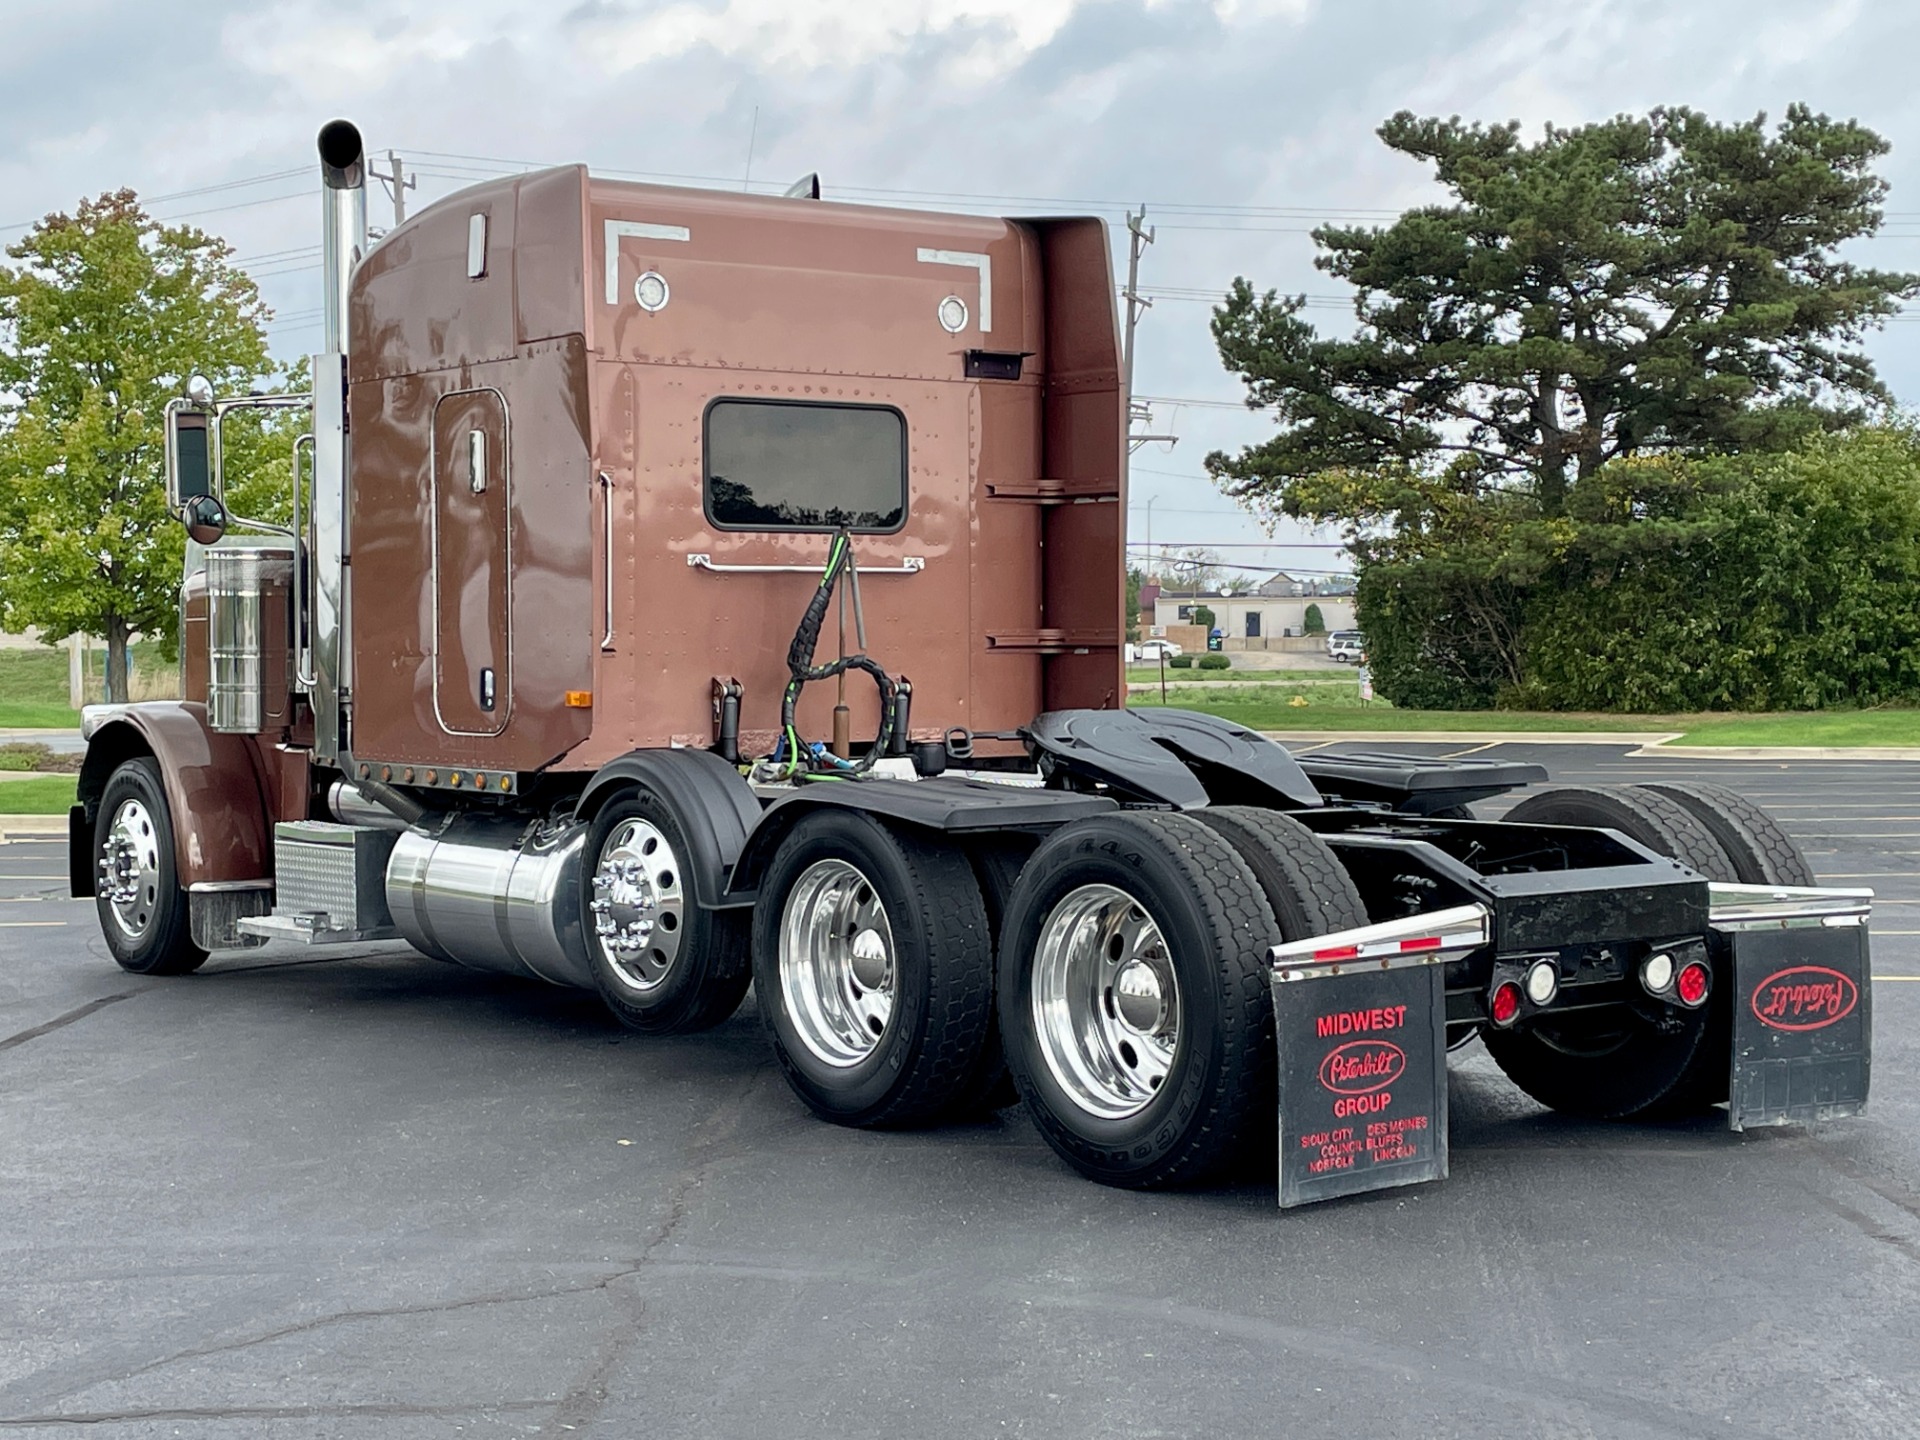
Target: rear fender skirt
column 714, row 804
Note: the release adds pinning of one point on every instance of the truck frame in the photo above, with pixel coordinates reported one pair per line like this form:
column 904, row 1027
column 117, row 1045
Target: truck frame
column 530, row 682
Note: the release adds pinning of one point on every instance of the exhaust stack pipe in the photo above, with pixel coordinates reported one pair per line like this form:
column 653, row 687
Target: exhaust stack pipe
column 343, row 240
column 343, row 222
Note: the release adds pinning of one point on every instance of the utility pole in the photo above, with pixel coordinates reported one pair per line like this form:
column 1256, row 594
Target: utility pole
column 398, row 182
column 1139, row 236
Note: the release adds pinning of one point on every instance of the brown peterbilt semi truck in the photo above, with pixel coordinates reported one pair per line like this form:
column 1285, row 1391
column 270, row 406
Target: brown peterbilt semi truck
column 692, row 589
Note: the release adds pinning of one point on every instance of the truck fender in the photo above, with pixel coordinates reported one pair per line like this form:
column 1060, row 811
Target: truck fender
column 220, row 829
column 971, row 815
column 715, row 806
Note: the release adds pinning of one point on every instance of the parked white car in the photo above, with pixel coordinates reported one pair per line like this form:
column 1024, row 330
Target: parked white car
column 1347, row 645
column 1149, row 651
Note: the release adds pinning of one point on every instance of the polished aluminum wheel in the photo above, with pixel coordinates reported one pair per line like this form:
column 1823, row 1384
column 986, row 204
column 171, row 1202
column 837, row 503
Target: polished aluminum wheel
column 130, row 869
column 1106, row 1005
column 639, row 904
column 837, row 963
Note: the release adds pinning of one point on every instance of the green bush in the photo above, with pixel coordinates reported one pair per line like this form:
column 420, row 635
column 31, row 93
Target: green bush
column 1213, row 662
column 1203, row 617
column 1314, row 623
column 1180, row 662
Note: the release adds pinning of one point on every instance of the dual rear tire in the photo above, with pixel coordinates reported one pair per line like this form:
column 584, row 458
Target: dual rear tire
column 1625, row 1064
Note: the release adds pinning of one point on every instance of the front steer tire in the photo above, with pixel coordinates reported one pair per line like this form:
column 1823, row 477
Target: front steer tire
column 143, row 910
column 873, row 967
column 1617, row 1064
column 1182, row 1112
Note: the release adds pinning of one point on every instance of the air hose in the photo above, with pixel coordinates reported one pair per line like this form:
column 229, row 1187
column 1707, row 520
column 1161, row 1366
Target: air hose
column 801, row 761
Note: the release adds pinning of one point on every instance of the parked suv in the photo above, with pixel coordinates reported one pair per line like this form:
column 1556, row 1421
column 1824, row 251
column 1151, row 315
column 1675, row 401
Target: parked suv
column 1348, row 645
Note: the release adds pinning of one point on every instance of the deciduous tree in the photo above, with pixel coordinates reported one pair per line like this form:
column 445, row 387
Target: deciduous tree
column 101, row 321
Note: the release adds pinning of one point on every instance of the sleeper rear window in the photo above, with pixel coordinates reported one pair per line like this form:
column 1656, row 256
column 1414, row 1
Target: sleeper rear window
column 784, row 465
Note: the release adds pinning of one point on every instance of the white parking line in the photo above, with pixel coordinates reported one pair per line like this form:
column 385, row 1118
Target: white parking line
column 53, row 924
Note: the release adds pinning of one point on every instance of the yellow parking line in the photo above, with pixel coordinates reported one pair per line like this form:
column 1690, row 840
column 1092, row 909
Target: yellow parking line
column 1897, row 977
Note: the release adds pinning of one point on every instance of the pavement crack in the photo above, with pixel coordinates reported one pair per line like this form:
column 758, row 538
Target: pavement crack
column 60, row 1022
column 588, row 1395
column 394, row 1410
column 1872, row 1228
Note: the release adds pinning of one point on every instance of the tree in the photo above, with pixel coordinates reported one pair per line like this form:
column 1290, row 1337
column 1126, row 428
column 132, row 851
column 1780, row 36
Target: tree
column 1136, row 577
column 1639, row 284
column 1313, row 622
column 1203, row 617
column 100, row 325
column 1664, row 284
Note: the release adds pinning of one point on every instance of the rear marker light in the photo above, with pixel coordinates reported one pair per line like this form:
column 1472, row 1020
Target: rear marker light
column 1506, row 1002
column 1691, row 983
column 1656, row 974
column 1543, row 982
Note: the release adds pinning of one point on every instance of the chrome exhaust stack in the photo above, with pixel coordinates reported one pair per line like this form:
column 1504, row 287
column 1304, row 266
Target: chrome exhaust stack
column 343, row 241
column 343, row 223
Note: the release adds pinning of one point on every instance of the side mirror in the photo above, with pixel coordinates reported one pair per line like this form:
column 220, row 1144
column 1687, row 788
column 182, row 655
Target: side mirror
column 205, row 519
column 189, row 455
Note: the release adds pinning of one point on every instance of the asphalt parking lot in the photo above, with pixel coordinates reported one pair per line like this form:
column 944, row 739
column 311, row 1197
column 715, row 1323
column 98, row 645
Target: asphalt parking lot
column 365, row 1194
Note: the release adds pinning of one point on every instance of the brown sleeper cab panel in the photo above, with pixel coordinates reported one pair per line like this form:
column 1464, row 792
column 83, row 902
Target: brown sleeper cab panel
column 587, row 357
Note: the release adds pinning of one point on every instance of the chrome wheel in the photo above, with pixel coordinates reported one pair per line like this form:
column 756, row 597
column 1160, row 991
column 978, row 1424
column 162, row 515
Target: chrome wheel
column 837, row 963
column 1106, row 1005
column 639, row 904
column 130, row 869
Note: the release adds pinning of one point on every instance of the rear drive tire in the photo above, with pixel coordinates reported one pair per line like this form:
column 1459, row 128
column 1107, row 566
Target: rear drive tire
column 143, row 911
column 873, row 965
column 1762, row 853
column 1133, row 997
column 1306, row 886
column 662, row 964
column 1618, row 1065
column 989, row 1087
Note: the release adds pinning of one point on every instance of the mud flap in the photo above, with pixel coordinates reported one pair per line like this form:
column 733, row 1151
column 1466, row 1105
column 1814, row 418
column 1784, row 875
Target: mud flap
column 1802, row 1002
column 1360, row 1019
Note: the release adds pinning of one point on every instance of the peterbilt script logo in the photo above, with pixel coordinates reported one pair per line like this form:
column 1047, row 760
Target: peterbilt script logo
column 1361, row 1066
column 1805, row 997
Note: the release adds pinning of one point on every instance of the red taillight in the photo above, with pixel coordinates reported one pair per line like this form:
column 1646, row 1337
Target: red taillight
column 1691, row 983
column 1506, row 1002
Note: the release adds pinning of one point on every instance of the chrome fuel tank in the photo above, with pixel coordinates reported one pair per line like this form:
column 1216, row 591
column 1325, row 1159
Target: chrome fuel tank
column 493, row 893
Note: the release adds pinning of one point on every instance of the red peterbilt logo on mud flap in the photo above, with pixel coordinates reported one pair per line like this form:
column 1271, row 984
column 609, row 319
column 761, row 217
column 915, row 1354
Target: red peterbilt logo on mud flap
column 1805, row 997
column 1360, row 1067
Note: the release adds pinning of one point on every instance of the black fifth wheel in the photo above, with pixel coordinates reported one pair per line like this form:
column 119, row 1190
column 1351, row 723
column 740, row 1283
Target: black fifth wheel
column 1134, row 1001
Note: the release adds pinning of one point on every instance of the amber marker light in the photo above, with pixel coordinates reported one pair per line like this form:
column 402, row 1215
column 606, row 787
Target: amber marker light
column 579, row 699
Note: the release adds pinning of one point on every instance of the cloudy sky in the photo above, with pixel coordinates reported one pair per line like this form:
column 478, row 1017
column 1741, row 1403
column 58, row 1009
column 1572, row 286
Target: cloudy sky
column 1239, row 123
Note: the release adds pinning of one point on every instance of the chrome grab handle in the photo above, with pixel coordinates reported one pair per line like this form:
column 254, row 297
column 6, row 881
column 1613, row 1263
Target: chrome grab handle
column 302, row 572
column 909, row 565
column 606, row 515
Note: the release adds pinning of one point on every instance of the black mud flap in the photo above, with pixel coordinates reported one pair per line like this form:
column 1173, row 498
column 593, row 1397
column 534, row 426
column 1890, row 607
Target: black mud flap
column 1360, row 1019
column 1802, row 1003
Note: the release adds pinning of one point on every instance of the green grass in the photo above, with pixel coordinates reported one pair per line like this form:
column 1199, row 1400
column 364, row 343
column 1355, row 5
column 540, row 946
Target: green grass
column 43, row 795
column 33, row 686
column 1335, row 705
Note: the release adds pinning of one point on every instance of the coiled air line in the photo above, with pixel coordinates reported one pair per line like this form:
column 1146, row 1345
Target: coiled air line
column 801, row 762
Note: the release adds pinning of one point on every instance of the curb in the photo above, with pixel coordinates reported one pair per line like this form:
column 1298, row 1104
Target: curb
column 1787, row 752
column 1644, row 744
column 24, row 825
column 1641, row 738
